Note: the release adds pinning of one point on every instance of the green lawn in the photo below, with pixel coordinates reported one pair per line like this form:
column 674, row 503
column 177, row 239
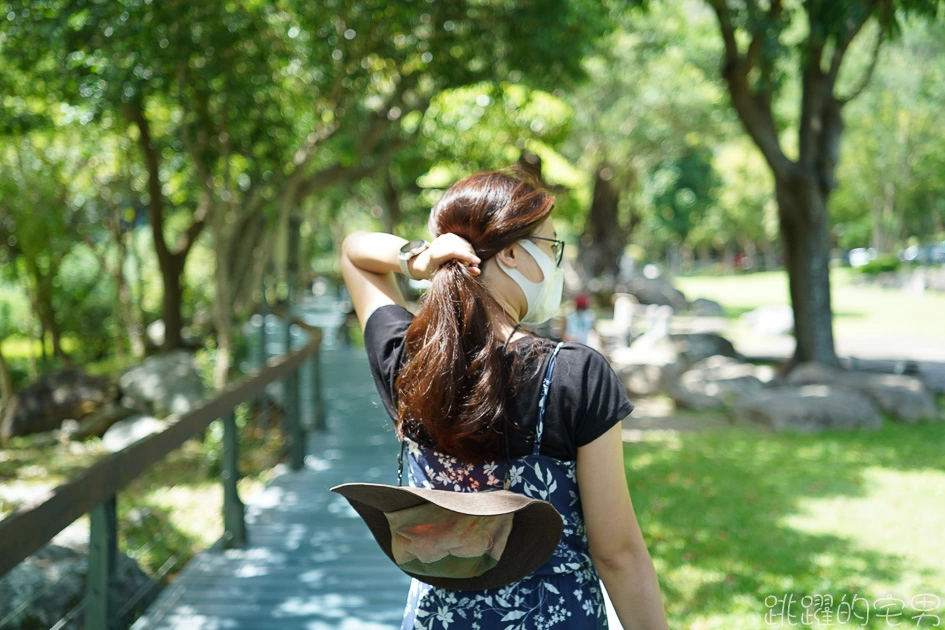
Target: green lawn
column 735, row 516
column 859, row 311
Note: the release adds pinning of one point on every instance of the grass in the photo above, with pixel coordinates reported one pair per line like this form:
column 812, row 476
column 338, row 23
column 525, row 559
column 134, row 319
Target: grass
column 736, row 515
column 859, row 311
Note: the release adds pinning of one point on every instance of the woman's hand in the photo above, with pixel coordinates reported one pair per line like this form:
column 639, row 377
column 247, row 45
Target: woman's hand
column 444, row 248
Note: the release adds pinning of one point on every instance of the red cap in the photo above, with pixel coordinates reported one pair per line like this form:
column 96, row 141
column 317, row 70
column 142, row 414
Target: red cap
column 581, row 300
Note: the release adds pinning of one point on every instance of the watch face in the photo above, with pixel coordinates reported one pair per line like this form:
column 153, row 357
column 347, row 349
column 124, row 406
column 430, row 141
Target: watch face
column 417, row 242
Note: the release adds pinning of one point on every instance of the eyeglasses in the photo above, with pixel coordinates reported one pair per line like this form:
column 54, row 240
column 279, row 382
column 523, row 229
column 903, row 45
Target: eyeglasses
column 557, row 248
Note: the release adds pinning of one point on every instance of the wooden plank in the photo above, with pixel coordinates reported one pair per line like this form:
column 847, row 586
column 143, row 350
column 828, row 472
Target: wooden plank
column 28, row 528
column 312, row 564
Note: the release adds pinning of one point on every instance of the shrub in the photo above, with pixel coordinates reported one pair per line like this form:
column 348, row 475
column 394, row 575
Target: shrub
column 881, row 264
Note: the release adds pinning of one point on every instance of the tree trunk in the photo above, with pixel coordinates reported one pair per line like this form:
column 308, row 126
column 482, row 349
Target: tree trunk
column 221, row 303
column 6, row 378
column 392, row 199
column 139, row 316
column 170, row 261
column 805, row 234
column 172, row 269
column 603, row 240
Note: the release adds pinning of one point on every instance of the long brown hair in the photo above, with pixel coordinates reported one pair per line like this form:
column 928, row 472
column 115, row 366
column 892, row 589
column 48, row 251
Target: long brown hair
column 451, row 389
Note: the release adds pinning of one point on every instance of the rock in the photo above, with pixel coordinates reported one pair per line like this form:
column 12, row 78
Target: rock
column 935, row 280
column 155, row 333
column 657, row 291
column 647, row 371
column 773, row 319
column 697, row 347
column 98, row 422
column 54, row 397
column 170, row 382
column 808, row 409
column 47, row 585
column 706, row 308
column 715, row 381
column 654, row 362
column 129, row 431
column 692, row 398
column 904, row 398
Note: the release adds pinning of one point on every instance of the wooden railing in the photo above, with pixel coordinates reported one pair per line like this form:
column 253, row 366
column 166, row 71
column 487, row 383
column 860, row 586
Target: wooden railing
column 94, row 491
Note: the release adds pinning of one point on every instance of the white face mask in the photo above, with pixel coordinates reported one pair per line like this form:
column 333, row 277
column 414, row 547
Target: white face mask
column 544, row 297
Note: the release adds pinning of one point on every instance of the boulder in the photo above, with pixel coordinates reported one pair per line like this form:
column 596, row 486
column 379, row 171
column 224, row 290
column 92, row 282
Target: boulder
column 773, row 319
column 654, row 362
column 42, row 589
column 54, row 397
column 935, row 280
column 129, row 431
column 706, row 308
column 718, row 380
column 647, row 372
column 807, row 409
column 697, row 347
column 657, row 291
column 169, row 382
column 904, row 398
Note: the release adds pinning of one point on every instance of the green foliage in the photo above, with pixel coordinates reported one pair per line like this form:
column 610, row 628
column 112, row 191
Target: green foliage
column 883, row 263
column 686, row 190
column 892, row 161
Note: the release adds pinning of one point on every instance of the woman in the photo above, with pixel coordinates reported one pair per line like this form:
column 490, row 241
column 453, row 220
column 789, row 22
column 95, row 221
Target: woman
column 461, row 381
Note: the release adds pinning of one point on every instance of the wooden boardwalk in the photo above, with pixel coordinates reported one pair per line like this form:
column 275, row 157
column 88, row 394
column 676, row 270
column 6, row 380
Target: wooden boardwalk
column 311, row 562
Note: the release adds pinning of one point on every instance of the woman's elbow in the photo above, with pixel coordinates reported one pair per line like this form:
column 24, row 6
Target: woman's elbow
column 346, row 243
column 620, row 557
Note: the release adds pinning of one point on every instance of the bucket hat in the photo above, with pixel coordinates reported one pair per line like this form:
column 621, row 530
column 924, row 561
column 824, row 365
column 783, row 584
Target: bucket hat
column 458, row 540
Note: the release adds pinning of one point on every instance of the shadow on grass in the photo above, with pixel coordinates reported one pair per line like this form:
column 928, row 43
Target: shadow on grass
column 713, row 504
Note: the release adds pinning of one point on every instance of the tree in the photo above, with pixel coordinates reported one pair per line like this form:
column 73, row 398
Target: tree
column 648, row 101
column 244, row 110
column 892, row 165
column 758, row 40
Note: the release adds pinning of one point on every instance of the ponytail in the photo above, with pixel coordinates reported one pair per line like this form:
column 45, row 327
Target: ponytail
column 451, row 390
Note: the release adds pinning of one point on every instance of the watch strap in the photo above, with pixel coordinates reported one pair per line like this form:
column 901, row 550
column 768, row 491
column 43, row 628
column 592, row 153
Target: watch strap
column 404, row 258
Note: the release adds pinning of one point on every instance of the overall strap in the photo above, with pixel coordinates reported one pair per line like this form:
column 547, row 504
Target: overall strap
column 544, row 395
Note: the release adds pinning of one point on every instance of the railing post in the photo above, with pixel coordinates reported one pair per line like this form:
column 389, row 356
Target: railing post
column 296, row 431
column 263, row 353
column 234, row 524
column 317, row 399
column 101, row 608
column 291, row 387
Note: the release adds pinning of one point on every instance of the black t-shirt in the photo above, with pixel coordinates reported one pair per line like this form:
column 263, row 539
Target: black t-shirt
column 585, row 398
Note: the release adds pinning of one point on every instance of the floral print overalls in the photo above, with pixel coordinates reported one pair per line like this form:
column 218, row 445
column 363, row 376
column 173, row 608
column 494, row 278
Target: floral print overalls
column 565, row 592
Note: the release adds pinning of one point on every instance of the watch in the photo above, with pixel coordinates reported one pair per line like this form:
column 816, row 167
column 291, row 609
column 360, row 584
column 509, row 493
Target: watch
column 408, row 251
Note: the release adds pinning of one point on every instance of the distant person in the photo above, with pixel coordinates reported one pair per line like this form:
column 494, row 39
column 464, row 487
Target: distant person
column 580, row 322
column 463, row 384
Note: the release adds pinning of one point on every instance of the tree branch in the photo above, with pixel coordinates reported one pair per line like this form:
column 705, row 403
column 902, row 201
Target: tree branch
column 874, row 57
column 732, row 54
column 135, row 113
column 753, row 107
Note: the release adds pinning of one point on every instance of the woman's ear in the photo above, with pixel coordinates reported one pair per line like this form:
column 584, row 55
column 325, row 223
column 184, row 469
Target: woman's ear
column 508, row 255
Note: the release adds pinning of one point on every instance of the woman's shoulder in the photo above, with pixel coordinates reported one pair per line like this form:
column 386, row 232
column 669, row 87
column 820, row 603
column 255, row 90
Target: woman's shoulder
column 581, row 356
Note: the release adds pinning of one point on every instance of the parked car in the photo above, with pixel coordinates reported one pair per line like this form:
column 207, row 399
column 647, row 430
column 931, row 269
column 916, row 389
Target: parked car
column 933, row 254
column 860, row 256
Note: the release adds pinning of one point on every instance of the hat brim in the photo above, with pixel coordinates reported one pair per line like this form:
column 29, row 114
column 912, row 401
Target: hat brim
column 536, row 527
